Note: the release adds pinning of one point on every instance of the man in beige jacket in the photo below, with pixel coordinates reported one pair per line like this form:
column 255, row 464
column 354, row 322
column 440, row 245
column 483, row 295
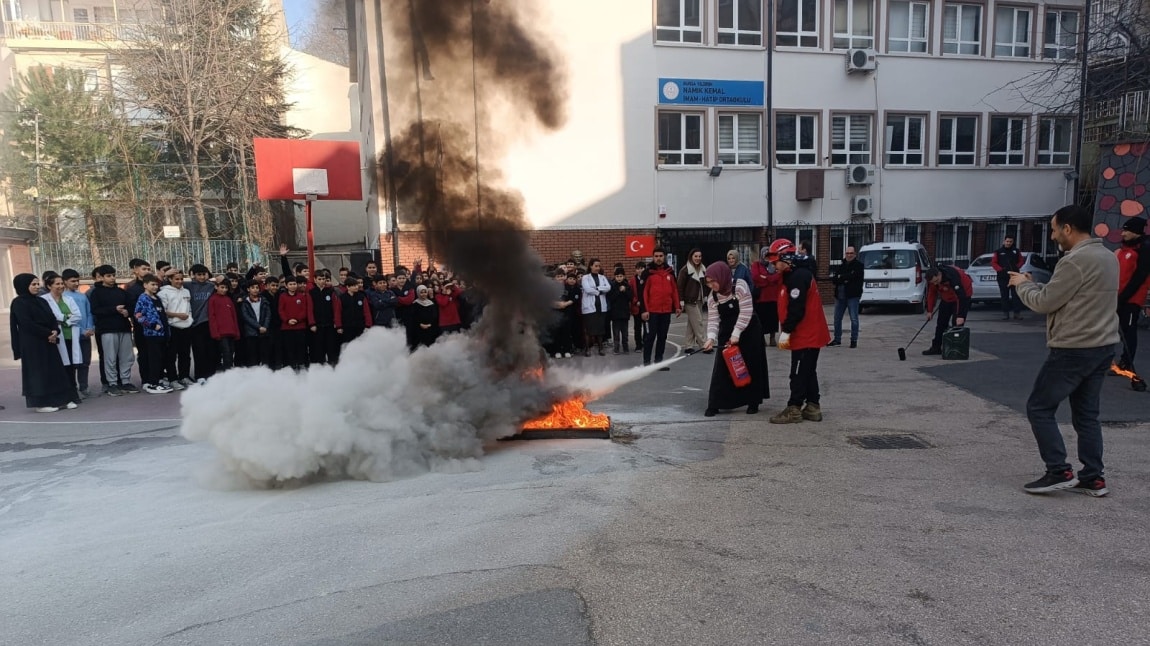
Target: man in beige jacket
column 1081, row 332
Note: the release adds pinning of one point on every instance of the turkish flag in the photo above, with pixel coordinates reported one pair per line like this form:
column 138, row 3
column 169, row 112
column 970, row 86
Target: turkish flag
column 640, row 246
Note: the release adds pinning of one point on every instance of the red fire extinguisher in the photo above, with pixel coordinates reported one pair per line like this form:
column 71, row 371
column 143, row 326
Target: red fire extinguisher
column 737, row 367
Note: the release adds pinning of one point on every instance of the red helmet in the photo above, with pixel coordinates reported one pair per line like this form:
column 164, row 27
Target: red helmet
column 779, row 248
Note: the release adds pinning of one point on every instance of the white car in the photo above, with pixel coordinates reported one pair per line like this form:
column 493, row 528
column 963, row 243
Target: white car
column 985, row 279
column 893, row 274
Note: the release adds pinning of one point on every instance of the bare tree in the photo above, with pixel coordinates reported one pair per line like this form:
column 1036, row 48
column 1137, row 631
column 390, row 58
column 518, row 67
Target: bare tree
column 324, row 35
column 208, row 78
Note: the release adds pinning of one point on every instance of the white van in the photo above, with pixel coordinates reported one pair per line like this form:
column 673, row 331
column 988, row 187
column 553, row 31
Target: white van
column 893, row 274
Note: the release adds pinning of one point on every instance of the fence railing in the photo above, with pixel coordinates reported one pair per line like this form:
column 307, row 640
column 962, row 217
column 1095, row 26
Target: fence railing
column 1127, row 113
column 183, row 253
column 65, row 31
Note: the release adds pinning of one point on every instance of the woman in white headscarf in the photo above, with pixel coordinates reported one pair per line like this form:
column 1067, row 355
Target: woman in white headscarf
column 424, row 317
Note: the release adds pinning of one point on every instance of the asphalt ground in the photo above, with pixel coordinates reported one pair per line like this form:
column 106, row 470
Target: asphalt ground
column 685, row 530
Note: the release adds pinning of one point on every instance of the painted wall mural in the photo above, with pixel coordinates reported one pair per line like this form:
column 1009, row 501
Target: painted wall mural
column 1122, row 188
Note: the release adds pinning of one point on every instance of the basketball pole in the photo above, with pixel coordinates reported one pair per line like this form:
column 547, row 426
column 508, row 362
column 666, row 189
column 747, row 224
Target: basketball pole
column 308, row 199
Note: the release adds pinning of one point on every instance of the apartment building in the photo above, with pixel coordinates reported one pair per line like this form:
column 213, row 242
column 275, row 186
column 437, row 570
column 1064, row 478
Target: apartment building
column 722, row 123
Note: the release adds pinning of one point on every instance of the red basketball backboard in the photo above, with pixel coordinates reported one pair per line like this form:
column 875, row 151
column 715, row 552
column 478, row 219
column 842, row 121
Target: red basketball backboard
column 291, row 169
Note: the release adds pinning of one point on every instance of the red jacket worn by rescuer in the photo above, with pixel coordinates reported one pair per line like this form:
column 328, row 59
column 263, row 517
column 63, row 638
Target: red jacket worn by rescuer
column 801, row 310
column 660, row 291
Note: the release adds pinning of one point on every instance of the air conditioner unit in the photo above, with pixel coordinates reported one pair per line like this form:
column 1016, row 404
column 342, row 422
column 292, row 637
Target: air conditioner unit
column 861, row 60
column 862, row 205
column 860, row 175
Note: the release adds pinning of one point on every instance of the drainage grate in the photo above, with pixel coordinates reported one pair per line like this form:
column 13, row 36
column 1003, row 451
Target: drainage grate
column 895, row 441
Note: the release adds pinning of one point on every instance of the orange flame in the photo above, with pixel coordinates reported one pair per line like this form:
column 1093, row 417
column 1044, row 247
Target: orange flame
column 569, row 414
column 1124, row 373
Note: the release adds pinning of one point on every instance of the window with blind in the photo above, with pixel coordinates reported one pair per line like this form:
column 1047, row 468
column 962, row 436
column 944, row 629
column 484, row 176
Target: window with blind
column 854, row 24
column 1060, row 39
column 797, row 23
column 679, row 21
column 741, row 139
column 850, row 139
column 795, row 140
column 741, row 22
column 680, row 139
column 904, row 140
column 957, row 141
column 795, row 234
column 962, row 29
column 1012, row 32
column 1054, row 141
column 1007, row 141
column 909, row 23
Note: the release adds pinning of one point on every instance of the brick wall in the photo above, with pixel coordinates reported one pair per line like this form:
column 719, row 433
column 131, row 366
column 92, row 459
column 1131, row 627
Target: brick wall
column 21, row 258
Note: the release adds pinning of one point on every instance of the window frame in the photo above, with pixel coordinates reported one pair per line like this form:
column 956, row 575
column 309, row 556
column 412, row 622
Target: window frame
column 847, row 139
column 738, row 30
column 1014, row 45
column 889, row 227
column 800, row 34
column 953, row 256
column 719, row 151
column 682, row 27
column 924, row 138
column 798, row 151
column 1039, row 151
column 928, row 27
column 1058, row 48
column 849, row 35
column 955, row 152
column 958, row 42
column 683, row 151
column 1023, row 127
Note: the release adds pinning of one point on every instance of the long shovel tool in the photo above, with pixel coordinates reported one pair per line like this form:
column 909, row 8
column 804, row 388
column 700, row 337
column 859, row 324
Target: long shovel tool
column 902, row 351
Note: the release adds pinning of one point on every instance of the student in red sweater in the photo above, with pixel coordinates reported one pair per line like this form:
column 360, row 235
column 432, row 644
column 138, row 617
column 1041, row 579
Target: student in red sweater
column 223, row 323
column 294, row 307
column 447, row 298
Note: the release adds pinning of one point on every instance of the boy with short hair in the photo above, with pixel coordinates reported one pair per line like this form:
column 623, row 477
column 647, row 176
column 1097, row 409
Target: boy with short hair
column 325, row 319
column 224, row 324
column 255, row 323
column 114, row 327
column 177, row 301
column 356, row 313
column 271, row 295
column 87, row 330
column 153, row 323
column 294, row 307
column 204, row 355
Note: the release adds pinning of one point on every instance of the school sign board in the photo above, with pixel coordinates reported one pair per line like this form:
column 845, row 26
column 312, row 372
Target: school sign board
column 711, row 92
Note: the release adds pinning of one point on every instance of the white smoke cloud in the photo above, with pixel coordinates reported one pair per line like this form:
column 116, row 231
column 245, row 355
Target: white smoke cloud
column 381, row 414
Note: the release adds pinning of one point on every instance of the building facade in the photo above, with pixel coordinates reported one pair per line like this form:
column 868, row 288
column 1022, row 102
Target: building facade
column 724, row 123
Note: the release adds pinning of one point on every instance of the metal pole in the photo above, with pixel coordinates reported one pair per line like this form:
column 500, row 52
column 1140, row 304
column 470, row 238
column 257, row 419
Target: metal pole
column 310, row 237
column 769, row 160
column 1082, row 87
column 36, row 202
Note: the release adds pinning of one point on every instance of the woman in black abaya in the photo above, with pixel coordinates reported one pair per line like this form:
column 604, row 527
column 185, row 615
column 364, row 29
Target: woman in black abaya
column 35, row 333
column 731, row 321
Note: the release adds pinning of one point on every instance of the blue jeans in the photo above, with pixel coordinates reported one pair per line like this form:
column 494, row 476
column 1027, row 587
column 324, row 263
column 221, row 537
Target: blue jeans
column 851, row 305
column 1077, row 374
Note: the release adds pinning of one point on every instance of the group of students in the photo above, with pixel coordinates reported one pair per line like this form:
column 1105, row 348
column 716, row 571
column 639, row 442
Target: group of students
column 164, row 322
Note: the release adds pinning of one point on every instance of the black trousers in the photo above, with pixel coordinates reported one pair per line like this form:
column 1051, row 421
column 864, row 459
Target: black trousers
column 804, row 377
column 142, row 348
column 640, row 328
column 325, row 345
column 619, row 333
column 227, row 353
column 178, row 356
column 945, row 317
column 205, row 351
column 151, row 358
column 1128, row 327
column 257, row 350
column 1010, row 302
column 656, row 337
column 100, row 363
column 294, row 346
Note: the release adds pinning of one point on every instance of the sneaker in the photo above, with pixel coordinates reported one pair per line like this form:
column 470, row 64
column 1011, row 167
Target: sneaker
column 165, row 383
column 812, row 413
column 129, row 389
column 113, row 391
column 1095, row 487
column 201, row 381
column 752, row 409
column 47, row 409
column 566, row 355
column 834, row 343
column 85, row 394
column 1052, row 481
column 932, row 350
column 558, row 355
column 789, row 415
column 175, row 385
column 156, row 389
column 854, row 344
column 72, row 406
column 187, row 381
column 638, row 350
column 710, row 412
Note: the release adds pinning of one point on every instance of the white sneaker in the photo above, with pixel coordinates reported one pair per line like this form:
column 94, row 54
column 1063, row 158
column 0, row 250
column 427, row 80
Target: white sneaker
column 566, row 355
column 201, row 381
column 47, row 409
column 558, row 356
column 175, row 385
column 72, row 406
column 152, row 389
column 187, row 381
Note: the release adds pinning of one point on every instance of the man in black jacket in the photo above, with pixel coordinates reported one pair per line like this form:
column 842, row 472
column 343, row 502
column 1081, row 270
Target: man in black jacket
column 1005, row 260
column 847, row 277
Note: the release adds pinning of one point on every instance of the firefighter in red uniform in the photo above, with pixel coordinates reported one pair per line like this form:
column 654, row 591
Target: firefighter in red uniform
column 951, row 287
column 804, row 331
column 1133, row 283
